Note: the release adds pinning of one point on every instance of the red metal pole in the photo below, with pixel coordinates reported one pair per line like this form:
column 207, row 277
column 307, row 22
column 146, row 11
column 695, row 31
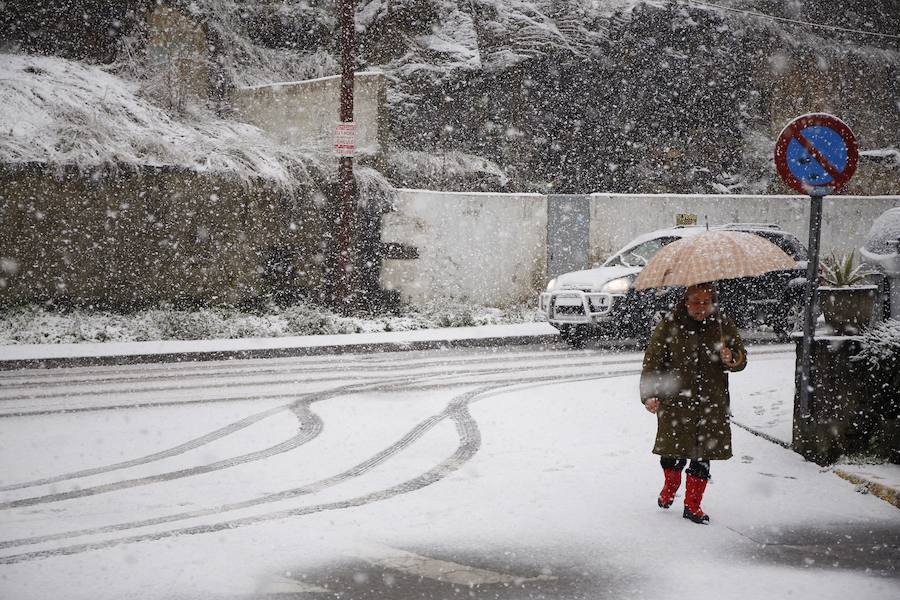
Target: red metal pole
column 343, row 293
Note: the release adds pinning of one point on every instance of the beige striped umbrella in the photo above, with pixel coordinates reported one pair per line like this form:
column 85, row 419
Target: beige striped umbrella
column 711, row 256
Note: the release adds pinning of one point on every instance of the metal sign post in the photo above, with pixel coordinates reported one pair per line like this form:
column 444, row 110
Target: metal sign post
column 809, row 324
column 343, row 294
column 815, row 154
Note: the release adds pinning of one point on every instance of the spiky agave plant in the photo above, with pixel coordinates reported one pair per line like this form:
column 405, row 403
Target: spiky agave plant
column 839, row 271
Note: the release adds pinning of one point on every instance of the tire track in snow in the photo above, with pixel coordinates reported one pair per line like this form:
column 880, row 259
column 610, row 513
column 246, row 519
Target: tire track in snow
column 357, row 470
column 312, row 487
column 304, row 415
column 208, row 438
column 97, row 393
column 142, row 460
column 202, row 440
column 237, row 370
column 467, row 430
column 178, row 387
column 287, row 445
column 285, row 376
column 228, row 369
column 300, row 408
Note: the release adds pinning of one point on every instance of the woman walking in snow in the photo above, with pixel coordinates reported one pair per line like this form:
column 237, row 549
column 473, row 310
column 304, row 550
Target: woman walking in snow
column 684, row 382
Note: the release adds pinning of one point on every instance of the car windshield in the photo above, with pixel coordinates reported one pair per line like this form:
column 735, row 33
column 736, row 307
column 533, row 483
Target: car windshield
column 639, row 255
column 788, row 243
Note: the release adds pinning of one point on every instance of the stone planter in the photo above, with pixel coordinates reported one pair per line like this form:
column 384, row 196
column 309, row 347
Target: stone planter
column 847, row 309
column 850, row 409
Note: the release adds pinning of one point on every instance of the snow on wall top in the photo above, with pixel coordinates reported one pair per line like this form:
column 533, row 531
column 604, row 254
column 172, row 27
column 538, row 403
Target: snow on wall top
column 67, row 113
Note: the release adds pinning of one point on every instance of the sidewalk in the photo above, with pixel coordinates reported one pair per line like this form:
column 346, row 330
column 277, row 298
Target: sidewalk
column 24, row 356
column 769, row 412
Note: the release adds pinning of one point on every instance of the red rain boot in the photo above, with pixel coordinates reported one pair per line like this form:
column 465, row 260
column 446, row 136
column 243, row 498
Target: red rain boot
column 693, row 495
column 673, row 482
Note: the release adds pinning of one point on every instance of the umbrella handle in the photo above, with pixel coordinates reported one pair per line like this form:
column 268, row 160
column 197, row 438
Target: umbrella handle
column 721, row 332
column 719, row 321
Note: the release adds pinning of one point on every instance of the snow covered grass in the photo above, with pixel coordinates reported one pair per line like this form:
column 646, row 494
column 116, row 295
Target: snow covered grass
column 439, row 168
column 244, row 59
column 63, row 112
column 35, row 324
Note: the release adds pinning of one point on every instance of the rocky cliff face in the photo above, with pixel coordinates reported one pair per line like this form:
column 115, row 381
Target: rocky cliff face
column 653, row 97
column 562, row 95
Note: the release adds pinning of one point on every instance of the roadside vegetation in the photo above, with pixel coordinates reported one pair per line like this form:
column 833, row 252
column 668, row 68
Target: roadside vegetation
column 37, row 324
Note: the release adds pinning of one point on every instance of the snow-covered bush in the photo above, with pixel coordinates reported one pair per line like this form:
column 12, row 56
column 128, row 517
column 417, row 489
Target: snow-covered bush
column 880, row 359
column 449, row 170
column 881, row 347
column 35, row 324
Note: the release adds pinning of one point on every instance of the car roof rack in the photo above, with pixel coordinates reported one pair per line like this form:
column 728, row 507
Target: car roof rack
column 753, row 225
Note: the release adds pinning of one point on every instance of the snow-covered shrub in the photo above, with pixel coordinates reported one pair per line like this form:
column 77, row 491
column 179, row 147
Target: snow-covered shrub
column 885, row 231
column 880, row 358
column 447, row 170
column 881, row 347
column 36, row 324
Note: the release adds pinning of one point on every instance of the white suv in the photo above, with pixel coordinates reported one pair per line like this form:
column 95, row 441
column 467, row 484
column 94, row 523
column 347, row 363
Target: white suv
column 603, row 299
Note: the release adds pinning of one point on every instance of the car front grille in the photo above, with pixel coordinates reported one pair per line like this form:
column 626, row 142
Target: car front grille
column 568, row 311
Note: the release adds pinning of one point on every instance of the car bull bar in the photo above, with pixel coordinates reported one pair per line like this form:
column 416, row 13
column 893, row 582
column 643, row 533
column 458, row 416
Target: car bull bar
column 575, row 306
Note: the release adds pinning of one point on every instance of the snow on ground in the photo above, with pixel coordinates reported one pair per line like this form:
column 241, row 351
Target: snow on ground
column 35, row 324
column 767, row 408
column 762, row 399
column 450, row 456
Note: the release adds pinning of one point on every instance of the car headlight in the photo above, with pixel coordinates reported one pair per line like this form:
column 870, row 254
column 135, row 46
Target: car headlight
column 551, row 285
column 617, row 286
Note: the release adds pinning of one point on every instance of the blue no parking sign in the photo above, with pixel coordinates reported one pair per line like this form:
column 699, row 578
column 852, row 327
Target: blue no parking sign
column 816, row 154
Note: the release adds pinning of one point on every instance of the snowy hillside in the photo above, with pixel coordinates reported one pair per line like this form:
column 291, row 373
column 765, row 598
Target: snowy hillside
column 63, row 112
column 577, row 95
column 539, row 95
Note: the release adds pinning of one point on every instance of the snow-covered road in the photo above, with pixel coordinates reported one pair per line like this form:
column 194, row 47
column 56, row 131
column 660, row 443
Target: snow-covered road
column 493, row 473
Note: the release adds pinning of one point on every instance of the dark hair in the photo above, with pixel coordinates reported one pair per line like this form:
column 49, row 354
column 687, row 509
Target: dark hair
column 702, row 286
column 710, row 286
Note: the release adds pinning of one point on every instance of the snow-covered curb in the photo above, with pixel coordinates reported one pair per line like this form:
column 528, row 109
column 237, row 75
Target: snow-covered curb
column 882, row 481
column 20, row 352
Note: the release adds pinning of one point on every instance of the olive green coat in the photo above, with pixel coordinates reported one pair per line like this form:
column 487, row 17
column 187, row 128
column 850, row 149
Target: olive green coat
column 683, row 369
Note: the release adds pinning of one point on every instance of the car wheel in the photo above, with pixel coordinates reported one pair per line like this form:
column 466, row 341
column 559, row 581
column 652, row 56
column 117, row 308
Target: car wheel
column 791, row 319
column 574, row 335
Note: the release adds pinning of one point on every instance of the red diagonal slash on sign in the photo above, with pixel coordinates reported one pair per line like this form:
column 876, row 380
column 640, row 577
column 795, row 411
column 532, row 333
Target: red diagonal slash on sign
column 836, row 175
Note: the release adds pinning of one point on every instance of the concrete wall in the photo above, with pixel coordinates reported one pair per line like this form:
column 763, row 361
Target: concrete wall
column 477, row 247
column 492, row 248
column 304, row 113
column 618, row 218
column 141, row 236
